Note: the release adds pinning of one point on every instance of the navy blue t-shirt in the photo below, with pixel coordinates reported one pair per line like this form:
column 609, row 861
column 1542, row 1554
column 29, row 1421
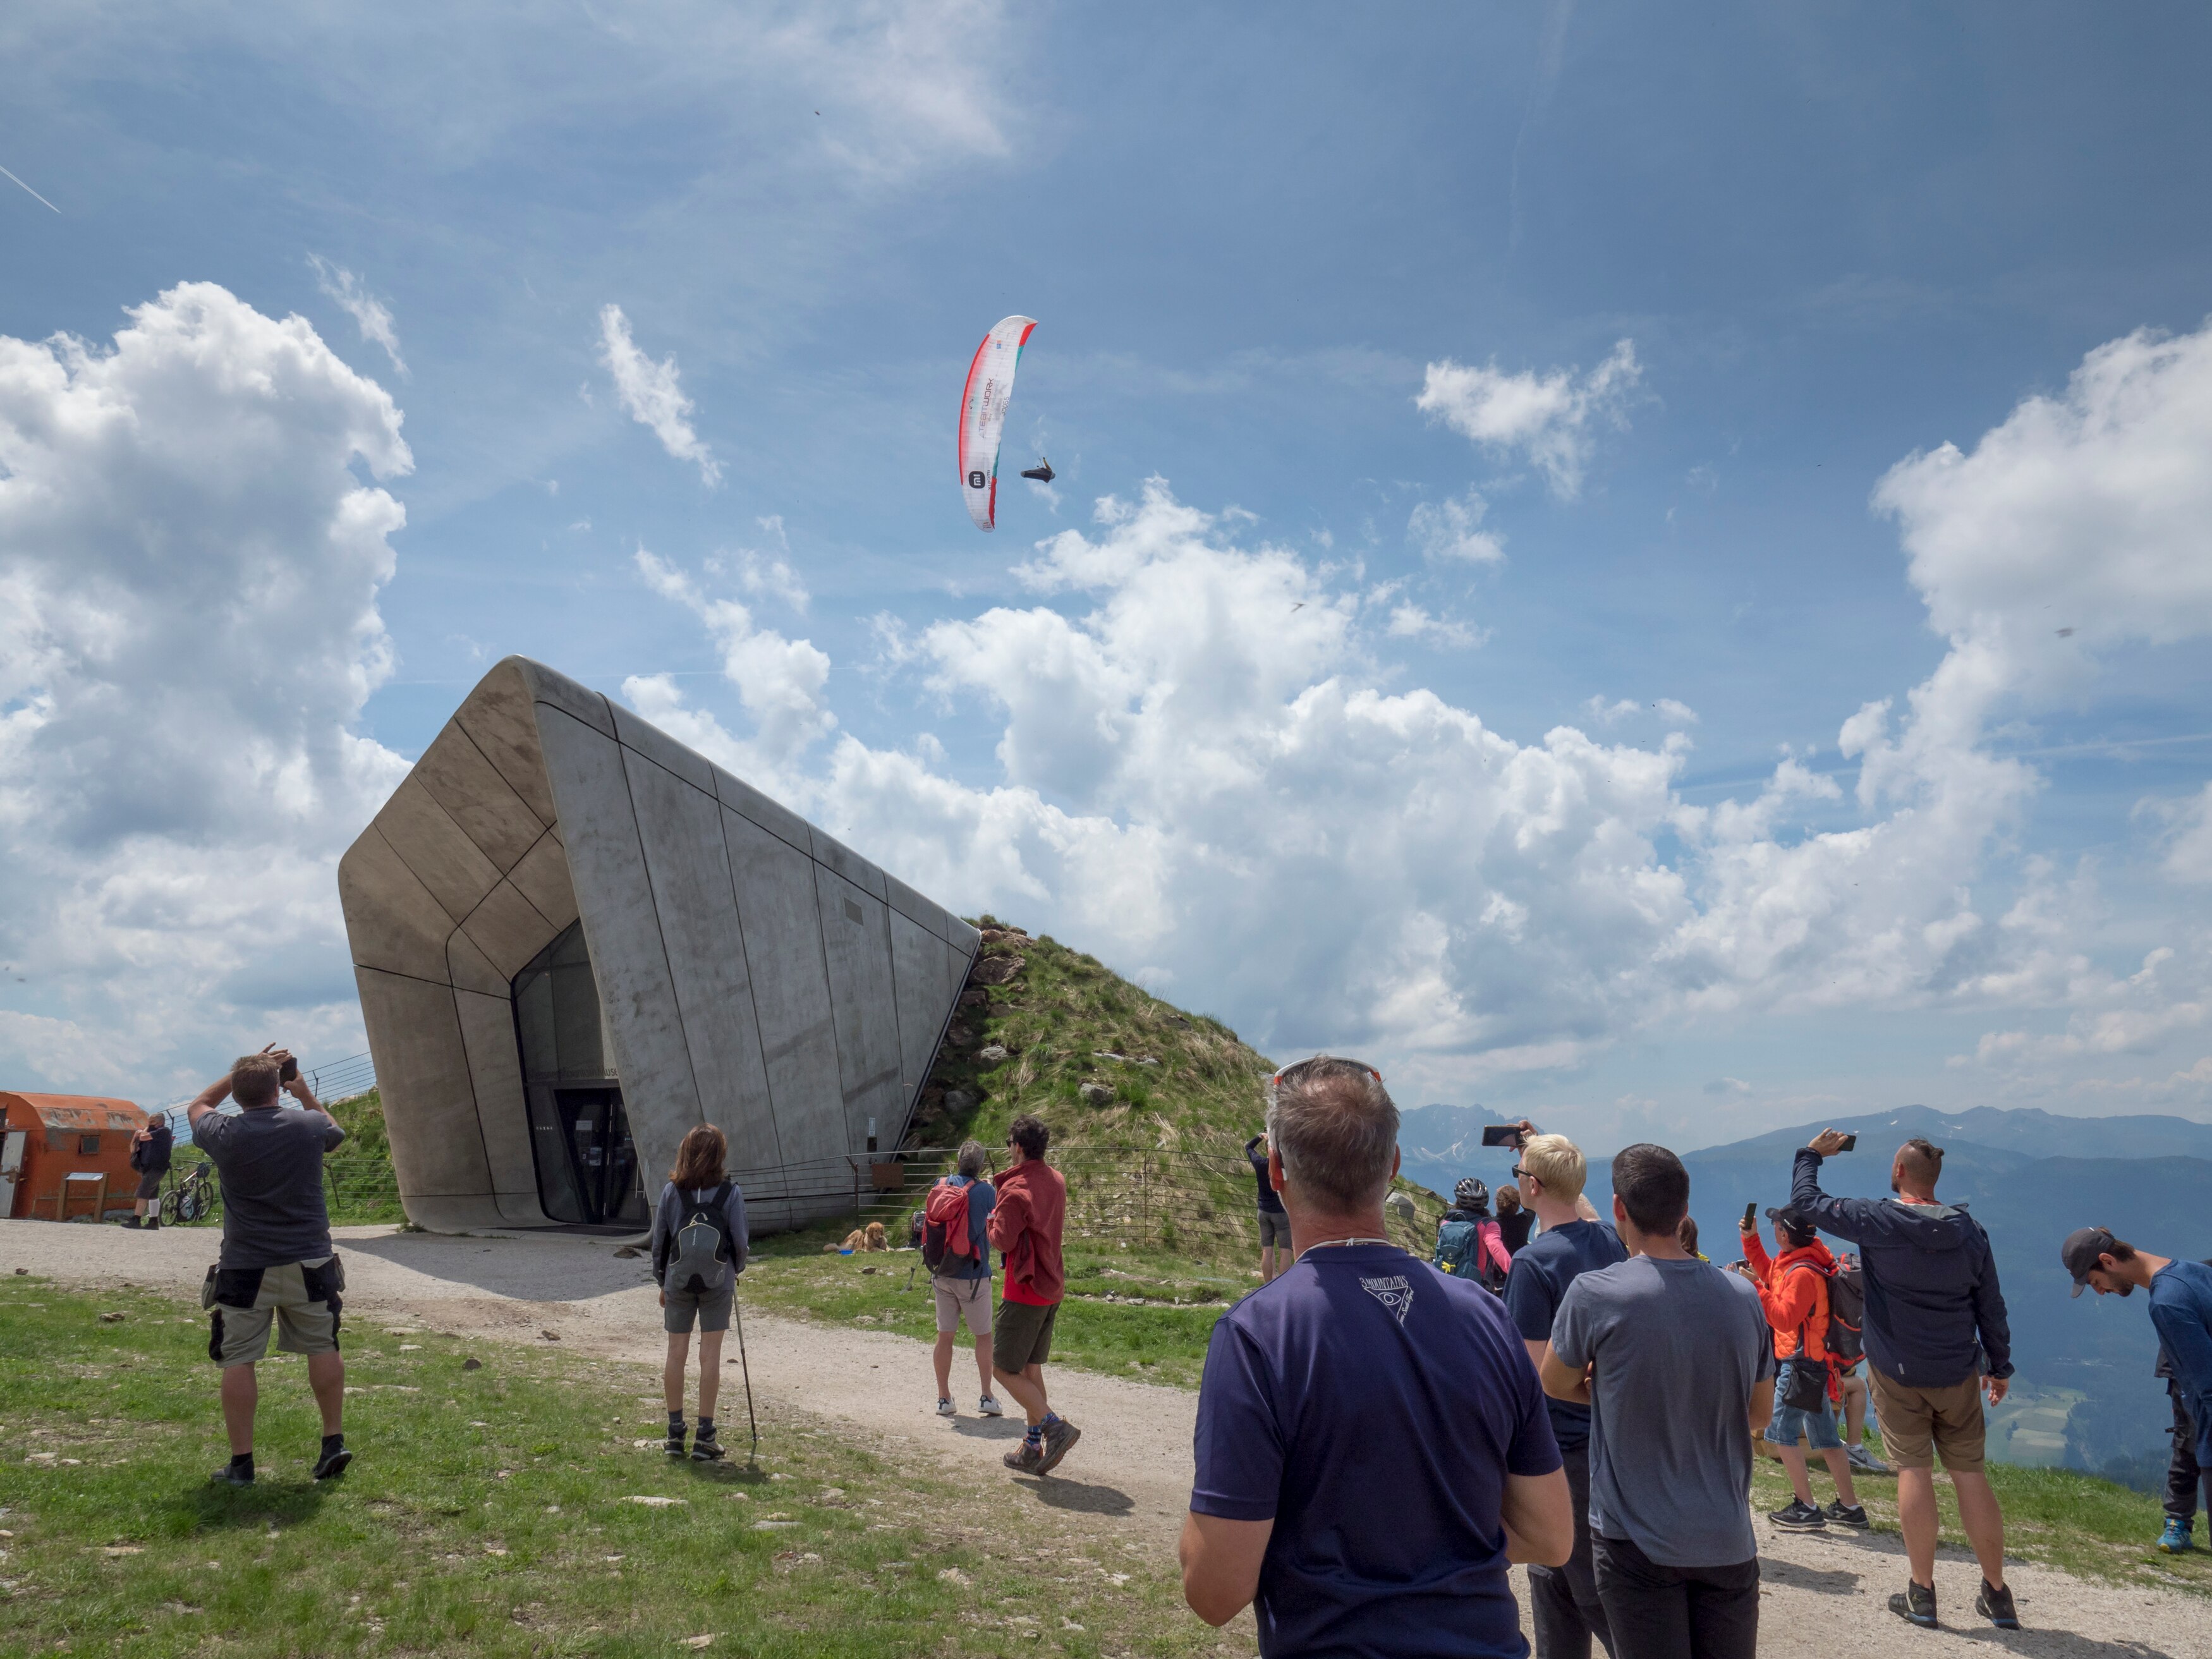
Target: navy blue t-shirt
column 1372, row 1407
column 1542, row 1270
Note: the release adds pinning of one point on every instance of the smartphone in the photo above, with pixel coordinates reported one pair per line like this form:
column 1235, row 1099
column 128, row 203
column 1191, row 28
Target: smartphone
column 1501, row 1135
column 289, row 1072
column 1750, row 1218
column 1850, row 1143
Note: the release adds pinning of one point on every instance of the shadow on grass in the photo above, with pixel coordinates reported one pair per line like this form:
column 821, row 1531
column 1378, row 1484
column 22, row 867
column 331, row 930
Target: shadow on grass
column 730, row 1472
column 1079, row 1497
column 212, row 1507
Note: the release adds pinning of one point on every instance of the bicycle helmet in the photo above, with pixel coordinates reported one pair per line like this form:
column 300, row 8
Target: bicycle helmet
column 1472, row 1196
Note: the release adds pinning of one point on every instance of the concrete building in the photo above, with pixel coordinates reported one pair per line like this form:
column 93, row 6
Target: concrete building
column 575, row 939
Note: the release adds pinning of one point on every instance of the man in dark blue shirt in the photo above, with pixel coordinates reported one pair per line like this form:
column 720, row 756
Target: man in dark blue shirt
column 1274, row 1225
column 1564, row 1600
column 1372, row 1448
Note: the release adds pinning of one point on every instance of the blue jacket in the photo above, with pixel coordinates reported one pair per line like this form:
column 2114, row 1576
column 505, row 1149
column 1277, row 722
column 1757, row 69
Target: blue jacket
column 1935, row 1316
column 2181, row 1310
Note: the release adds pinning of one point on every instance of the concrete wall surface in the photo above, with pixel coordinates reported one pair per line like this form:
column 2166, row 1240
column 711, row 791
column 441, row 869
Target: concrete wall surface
column 752, row 971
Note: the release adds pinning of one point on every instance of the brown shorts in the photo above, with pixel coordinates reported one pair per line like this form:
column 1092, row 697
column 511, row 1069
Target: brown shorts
column 1916, row 1424
column 1022, row 1337
column 149, row 1183
column 959, row 1298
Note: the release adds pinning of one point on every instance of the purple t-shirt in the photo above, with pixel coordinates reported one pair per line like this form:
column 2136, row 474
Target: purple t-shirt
column 1372, row 1407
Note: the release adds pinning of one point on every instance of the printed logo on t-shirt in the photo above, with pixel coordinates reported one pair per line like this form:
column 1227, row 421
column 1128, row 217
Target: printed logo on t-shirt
column 1394, row 1293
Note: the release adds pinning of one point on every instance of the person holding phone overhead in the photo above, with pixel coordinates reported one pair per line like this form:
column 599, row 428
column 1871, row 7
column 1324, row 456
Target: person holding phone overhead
column 1936, row 1342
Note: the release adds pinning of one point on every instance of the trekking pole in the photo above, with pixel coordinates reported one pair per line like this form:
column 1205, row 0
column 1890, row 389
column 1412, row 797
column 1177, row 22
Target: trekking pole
column 746, row 1369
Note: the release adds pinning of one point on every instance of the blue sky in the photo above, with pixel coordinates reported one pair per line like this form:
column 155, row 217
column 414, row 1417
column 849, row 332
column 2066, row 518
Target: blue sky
column 1831, row 241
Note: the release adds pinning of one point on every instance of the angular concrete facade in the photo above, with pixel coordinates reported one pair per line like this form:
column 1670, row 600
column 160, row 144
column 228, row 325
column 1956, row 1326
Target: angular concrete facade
column 686, row 950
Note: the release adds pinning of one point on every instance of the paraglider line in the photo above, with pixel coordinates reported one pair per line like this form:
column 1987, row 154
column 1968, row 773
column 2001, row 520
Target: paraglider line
column 41, row 199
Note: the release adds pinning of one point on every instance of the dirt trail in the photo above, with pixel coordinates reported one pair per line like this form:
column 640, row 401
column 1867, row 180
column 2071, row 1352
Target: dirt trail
column 1823, row 1595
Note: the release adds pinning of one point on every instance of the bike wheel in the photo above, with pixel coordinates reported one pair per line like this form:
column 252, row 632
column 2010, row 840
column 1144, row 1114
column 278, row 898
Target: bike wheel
column 172, row 1207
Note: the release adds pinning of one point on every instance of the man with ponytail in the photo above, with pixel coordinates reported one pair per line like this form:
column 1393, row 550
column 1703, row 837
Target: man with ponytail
column 698, row 1251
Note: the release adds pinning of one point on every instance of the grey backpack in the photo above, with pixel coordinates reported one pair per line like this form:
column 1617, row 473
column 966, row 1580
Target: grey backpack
column 699, row 1262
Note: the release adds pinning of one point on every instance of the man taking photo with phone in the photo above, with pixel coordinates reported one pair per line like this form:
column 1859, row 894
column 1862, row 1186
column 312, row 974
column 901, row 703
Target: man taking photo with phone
column 1937, row 1341
column 277, row 1266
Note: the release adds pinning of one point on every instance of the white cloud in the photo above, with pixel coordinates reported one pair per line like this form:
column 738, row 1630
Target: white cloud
column 652, row 394
column 1409, row 621
column 370, row 314
column 1547, row 419
column 1452, row 530
column 1680, row 713
column 1612, row 713
column 765, row 572
column 2189, row 838
column 189, row 571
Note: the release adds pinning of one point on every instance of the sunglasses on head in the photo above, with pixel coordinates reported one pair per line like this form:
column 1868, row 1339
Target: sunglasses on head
column 1292, row 1073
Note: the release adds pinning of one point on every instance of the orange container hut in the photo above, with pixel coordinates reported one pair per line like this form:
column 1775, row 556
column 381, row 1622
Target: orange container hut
column 67, row 1158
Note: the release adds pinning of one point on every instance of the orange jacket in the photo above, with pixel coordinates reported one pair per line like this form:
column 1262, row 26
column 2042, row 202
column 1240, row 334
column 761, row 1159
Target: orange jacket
column 1794, row 1297
column 1025, row 1226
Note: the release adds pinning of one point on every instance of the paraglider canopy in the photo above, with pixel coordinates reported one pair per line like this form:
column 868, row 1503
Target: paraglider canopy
column 983, row 402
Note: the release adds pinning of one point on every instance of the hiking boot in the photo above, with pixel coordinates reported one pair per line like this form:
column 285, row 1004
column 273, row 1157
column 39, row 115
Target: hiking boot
column 1865, row 1462
column 675, row 1445
column 153, row 1223
column 706, row 1445
column 231, row 1475
column 1798, row 1516
column 1995, row 1605
column 332, row 1463
column 946, row 1408
column 1853, row 1516
column 132, row 1224
column 990, row 1405
column 1027, row 1458
column 2175, row 1540
column 1059, row 1440
column 1916, row 1603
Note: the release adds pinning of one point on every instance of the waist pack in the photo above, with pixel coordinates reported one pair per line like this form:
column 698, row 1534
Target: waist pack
column 699, row 1265
column 944, row 1240
column 1805, row 1384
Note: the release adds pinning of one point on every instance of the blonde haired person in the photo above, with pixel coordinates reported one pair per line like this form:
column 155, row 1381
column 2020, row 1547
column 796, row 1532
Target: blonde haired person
column 698, row 1251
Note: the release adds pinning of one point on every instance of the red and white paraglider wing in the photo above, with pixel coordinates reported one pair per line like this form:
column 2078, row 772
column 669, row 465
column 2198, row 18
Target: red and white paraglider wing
column 983, row 402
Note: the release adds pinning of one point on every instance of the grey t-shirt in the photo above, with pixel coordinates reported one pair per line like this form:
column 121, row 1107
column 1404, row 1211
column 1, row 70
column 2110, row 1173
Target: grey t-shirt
column 271, row 1159
column 1679, row 1347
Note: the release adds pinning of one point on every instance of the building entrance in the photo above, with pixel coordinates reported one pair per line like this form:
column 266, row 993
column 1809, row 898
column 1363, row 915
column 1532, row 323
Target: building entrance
column 579, row 1138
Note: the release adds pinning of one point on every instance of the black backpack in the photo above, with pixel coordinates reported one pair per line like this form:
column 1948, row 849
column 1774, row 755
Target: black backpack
column 703, row 1247
column 1846, row 1313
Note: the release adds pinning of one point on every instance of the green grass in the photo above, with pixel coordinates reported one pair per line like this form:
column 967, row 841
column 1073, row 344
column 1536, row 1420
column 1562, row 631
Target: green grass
column 486, row 1515
column 2056, row 1517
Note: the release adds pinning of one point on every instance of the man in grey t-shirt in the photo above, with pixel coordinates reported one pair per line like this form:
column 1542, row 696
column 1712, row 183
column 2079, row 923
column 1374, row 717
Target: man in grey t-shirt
column 277, row 1266
column 1669, row 1353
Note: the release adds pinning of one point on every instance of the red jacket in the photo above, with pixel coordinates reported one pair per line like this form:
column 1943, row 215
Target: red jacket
column 1026, row 1225
column 1794, row 1296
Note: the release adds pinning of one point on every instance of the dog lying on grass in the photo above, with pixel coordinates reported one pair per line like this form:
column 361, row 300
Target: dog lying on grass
column 870, row 1237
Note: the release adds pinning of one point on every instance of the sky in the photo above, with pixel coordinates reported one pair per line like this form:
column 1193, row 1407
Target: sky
column 1647, row 569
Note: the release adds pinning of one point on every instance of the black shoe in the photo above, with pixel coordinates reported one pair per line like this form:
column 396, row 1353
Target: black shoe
column 1059, row 1440
column 332, row 1463
column 1916, row 1603
column 1853, row 1516
column 231, row 1475
column 1799, row 1516
column 132, row 1222
column 675, row 1442
column 153, row 1223
column 706, row 1447
column 1995, row 1605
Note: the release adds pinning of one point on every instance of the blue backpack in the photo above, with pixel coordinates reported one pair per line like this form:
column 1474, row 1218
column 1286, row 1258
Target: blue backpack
column 1460, row 1253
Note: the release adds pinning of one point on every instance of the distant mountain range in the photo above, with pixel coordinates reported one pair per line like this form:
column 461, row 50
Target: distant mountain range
column 2029, row 1177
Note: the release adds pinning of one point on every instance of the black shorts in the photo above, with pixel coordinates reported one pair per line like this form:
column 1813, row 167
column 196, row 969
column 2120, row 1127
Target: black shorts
column 1022, row 1336
column 149, row 1183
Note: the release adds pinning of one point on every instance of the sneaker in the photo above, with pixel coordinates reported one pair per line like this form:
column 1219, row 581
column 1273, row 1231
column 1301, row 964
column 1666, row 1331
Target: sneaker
column 1995, row 1605
column 706, row 1447
column 231, row 1475
column 990, row 1405
column 332, row 1463
column 1848, row 1515
column 132, row 1224
column 946, row 1408
column 2175, row 1540
column 1025, row 1459
column 1916, row 1603
column 1865, row 1462
column 1059, row 1440
column 1799, row 1516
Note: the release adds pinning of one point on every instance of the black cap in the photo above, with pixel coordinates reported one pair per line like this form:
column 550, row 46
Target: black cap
column 1796, row 1220
column 2081, row 1251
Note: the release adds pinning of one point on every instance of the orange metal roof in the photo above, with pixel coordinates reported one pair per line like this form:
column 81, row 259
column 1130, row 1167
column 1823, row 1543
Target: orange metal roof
column 72, row 1111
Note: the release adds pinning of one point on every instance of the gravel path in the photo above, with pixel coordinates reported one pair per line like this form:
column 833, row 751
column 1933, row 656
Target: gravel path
column 1824, row 1596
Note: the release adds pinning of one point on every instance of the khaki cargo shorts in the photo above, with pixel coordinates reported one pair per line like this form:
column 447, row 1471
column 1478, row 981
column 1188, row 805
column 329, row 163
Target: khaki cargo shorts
column 1916, row 1424
column 962, row 1298
column 301, row 1299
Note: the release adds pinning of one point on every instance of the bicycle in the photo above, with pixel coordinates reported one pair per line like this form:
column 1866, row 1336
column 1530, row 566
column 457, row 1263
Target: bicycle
column 196, row 1197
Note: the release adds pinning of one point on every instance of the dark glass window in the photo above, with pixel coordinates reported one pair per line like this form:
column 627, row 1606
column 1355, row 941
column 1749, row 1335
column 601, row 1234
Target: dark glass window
column 88, row 1145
